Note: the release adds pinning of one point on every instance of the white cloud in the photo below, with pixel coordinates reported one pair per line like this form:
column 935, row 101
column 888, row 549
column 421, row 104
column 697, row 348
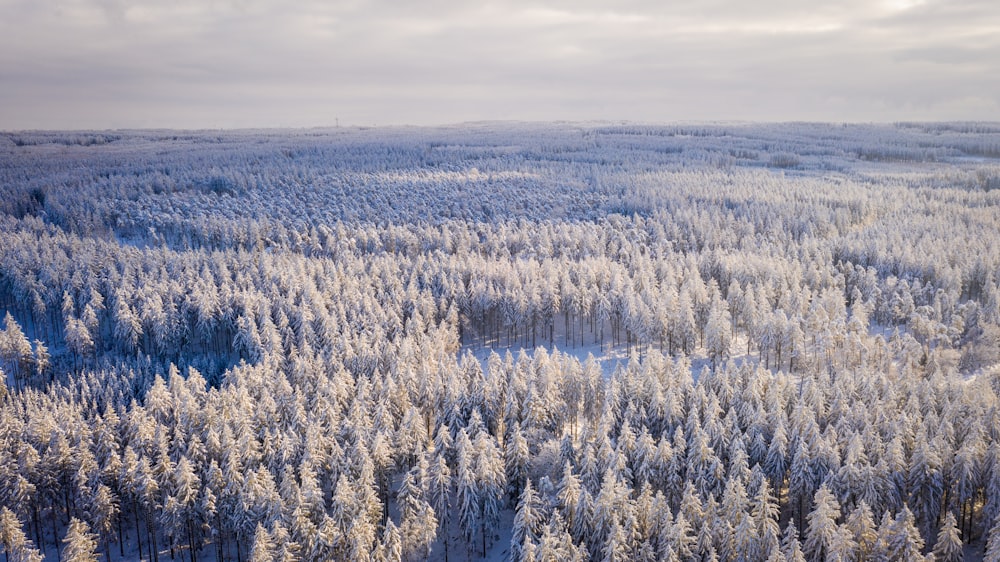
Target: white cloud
column 110, row 63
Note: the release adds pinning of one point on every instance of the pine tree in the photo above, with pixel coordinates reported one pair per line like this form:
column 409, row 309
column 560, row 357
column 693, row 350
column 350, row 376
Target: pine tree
column 991, row 510
column 568, row 494
column 861, row 524
column 410, row 496
column 680, row 539
column 15, row 350
column 616, row 547
column 419, row 530
column 802, row 480
column 286, row 550
column 776, row 461
column 718, row 332
column 42, row 360
column 555, row 544
column 79, row 545
column 15, row 544
column 104, row 512
column 948, row 547
column 993, row 544
column 764, row 511
column 439, row 491
column 790, row 546
column 527, row 522
column 390, row 549
column 822, row 529
column 904, row 541
column 78, row 338
column 926, row 484
column 842, row 548
column 468, row 490
column 263, row 546
column 516, row 461
column 490, row 475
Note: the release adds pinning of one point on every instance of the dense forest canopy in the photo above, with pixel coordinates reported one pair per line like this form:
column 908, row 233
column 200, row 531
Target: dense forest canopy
column 502, row 341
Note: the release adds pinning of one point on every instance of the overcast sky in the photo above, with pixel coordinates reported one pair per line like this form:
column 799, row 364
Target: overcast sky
column 70, row 64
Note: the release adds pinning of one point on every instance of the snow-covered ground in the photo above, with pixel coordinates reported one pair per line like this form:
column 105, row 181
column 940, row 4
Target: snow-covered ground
column 607, row 356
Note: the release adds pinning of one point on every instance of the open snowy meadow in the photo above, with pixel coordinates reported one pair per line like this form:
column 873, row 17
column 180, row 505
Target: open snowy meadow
column 501, row 341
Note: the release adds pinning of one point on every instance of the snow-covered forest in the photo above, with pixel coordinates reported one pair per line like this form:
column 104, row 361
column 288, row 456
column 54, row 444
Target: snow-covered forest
column 505, row 341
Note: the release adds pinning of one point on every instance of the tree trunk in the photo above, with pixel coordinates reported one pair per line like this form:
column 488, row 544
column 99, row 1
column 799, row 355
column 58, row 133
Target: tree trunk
column 190, row 541
column 121, row 542
column 55, row 534
column 38, row 527
column 138, row 534
column 152, row 539
column 220, row 545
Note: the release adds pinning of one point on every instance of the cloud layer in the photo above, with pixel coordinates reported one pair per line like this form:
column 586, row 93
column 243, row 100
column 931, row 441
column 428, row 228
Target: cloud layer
column 249, row 63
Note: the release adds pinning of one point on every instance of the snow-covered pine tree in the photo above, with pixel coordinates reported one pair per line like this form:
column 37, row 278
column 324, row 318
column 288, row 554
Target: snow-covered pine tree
column 527, row 522
column 790, row 546
column 822, row 529
column 992, row 553
column 17, row 547
column 948, row 547
column 904, row 541
column 79, row 545
column 263, row 547
column 861, row 525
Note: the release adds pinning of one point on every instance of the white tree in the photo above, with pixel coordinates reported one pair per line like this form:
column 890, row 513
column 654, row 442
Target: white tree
column 861, row 524
column 16, row 545
column 903, row 541
column 949, row 547
column 993, row 544
column 527, row 522
column 263, row 546
column 822, row 530
column 718, row 332
column 468, row 489
column 78, row 337
column 490, row 474
column 764, row 512
column 79, row 545
column 790, row 546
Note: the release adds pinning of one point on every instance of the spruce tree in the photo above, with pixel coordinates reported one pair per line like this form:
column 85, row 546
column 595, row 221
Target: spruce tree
column 79, row 545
